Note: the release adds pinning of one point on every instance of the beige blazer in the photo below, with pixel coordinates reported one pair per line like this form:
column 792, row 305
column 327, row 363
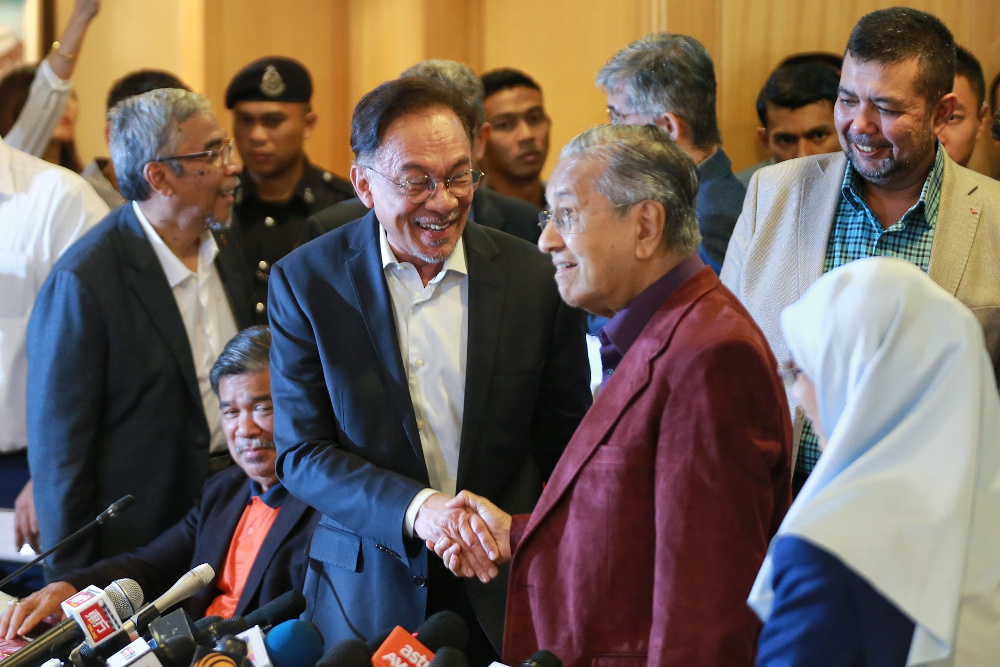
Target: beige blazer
column 779, row 244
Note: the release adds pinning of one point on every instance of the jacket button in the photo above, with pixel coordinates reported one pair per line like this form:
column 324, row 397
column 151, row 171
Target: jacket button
column 420, row 580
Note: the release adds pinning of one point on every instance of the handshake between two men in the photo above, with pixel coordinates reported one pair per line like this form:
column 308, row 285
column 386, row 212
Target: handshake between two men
column 468, row 532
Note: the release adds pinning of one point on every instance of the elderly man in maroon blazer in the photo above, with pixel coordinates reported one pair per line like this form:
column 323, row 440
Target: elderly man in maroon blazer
column 646, row 540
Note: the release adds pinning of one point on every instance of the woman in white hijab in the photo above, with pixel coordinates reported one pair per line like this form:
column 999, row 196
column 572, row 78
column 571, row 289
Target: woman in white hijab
column 890, row 554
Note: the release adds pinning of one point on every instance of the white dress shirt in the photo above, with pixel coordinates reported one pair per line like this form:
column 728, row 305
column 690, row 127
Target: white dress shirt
column 208, row 317
column 43, row 210
column 432, row 327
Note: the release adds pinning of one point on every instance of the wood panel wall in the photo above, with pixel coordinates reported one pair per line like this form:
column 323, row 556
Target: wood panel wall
column 350, row 46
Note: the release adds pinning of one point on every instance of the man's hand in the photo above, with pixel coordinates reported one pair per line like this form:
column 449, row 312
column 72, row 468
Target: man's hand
column 497, row 521
column 26, row 520
column 20, row 617
column 437, row 522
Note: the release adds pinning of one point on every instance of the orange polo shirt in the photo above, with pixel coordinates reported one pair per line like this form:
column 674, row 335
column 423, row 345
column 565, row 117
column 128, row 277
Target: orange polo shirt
column 251, row 531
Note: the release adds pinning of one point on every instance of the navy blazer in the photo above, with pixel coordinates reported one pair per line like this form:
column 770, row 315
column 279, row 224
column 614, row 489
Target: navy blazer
column 345, row 426
column 825, row 614
column 114, row 405
column 204, row 536
column 489, row 209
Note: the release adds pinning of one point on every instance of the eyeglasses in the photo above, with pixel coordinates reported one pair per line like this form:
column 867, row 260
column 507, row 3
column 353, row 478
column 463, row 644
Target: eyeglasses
column 421, row 188
column 789, row 372
column 616, row 117
column 220, row 157
column 569, row 222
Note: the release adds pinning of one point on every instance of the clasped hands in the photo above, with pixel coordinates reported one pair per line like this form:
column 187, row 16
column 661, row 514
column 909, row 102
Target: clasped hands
column 468, row 532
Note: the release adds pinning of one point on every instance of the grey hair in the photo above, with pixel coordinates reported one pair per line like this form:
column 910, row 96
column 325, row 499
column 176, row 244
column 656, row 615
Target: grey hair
column 642, row 162
column 454, row 75
column 664, row 72
column 145, row 128
column 249, row 351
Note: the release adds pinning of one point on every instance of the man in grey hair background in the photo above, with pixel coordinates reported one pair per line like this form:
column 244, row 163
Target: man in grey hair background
column 669, row 80
column 124, row 333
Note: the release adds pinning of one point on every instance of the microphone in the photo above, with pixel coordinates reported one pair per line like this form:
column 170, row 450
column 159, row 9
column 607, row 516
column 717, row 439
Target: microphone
column 138, row 653
column 113, row 511
column 89, row 613
column 443, row 629
column 348, row 653
column 449, row 657
column 185, row 587
column 294, row 643
column 228, row 652
column 176, row 627
column 542, row 658
column 210, row 633
column 283, row 608
column 124, row 591
column 116, row 508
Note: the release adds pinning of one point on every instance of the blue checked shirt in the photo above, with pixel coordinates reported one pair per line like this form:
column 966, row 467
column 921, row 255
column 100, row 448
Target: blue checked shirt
column 857, row 233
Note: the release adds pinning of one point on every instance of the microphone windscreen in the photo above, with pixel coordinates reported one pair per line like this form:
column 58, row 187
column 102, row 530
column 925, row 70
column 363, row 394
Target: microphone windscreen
column 126, row 595
column 348, row 653
column 294, row 643
column 448, row 656
column 445, row 628
column 282, row 608
column 542, row 658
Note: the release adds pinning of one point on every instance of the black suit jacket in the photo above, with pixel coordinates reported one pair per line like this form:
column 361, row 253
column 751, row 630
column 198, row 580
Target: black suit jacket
column 114, row 405
column 204, row 536
column 489, row 209
column 347, row 434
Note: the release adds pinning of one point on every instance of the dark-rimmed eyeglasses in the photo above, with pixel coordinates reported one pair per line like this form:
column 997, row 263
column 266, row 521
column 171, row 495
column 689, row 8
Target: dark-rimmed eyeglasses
column 568, row 221
column 421, row 188
column 789, row 371
column 220, row 157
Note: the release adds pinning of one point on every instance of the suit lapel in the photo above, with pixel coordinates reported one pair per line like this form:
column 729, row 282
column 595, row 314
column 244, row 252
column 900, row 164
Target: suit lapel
column 150, row 285
column 633, row 374
column 291, row 512
column 232, row 273
column 820, row 192
column 959, row 214
column 375, row 305
column 486, row 294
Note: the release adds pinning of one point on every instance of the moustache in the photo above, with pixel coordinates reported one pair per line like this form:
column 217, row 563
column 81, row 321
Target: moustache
column 255, row 444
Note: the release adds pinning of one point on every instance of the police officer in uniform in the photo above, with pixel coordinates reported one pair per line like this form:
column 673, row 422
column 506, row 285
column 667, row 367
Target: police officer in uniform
column 279, row 188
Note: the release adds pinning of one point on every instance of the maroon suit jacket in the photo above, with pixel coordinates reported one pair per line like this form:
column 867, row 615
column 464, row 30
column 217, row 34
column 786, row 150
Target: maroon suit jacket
column 645, row 543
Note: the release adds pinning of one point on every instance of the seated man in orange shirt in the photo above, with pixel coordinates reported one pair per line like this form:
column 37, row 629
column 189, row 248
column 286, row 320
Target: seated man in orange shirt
column 251, row 531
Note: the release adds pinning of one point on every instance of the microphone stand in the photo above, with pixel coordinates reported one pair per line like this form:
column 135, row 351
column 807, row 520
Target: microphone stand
column 113, row 511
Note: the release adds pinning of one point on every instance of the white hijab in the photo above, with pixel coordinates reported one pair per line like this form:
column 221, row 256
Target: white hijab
column 907, row 491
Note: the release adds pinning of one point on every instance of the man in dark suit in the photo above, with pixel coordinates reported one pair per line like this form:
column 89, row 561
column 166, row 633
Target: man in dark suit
column 489, row 208
column 125, row 331
column 414, row 353
column 235, row 520
column 648, row 536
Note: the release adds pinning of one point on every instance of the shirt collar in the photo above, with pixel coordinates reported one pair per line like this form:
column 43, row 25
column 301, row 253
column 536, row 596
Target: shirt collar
column 624, row 328
column 454, row 263
column 273, row 497
column 930, row 193
column 173, row 267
